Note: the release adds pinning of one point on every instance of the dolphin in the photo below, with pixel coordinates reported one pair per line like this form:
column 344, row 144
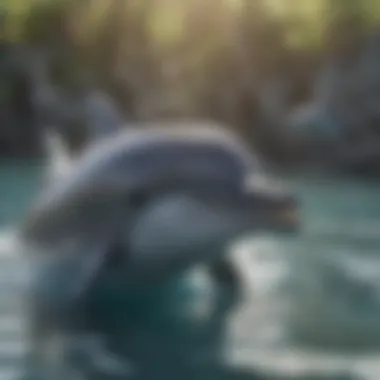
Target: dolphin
column 170, row 195
column 161, row 179
column 178, row 195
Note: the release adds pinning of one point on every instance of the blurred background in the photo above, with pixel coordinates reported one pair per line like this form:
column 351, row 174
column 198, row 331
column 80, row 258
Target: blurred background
column 298, row 79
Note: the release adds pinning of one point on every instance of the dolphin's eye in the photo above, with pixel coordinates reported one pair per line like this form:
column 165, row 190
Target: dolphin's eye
column 222, row 190
column 138, row 199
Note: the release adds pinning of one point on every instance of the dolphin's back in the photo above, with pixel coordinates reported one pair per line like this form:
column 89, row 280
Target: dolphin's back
column 95, row 193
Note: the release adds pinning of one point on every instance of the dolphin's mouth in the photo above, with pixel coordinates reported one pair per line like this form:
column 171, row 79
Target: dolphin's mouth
column 278, row 211
column 278, row 208
column 288, row 218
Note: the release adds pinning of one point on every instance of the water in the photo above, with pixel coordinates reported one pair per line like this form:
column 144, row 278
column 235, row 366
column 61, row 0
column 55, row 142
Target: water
column 312, row 303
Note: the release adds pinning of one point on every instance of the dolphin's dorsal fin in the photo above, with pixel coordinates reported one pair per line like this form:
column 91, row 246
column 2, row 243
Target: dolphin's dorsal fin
column 59, row 157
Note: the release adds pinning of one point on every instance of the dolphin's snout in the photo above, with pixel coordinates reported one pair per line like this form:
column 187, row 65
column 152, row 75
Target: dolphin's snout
column 287, row 213
column 279, row 210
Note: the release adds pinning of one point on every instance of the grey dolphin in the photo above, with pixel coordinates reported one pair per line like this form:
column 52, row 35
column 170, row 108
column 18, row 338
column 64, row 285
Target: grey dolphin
column 201, row 161
column 173, row 196
column 176, row 192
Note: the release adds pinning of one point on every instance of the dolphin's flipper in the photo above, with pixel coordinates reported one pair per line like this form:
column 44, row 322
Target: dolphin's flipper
column 228, row 280
column 225, row 273
column 229, row 288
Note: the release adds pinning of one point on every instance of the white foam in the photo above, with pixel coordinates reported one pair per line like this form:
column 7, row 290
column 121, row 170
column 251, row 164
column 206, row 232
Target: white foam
column 11, row 323
column 12, row 348
column 8, row 243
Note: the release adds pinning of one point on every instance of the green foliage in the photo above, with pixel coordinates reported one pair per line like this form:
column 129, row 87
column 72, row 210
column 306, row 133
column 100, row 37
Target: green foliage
column 168, row 17
column 188, row 49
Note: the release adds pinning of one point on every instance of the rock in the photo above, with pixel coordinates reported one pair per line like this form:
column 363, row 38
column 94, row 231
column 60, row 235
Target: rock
column 344, row 111
column 19, row 134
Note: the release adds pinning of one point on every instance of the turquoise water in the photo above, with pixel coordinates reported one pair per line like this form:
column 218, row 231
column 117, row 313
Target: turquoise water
column 19, row 182
column 312, row 302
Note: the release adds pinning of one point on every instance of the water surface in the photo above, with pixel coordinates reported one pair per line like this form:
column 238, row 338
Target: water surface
column 312, row 302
